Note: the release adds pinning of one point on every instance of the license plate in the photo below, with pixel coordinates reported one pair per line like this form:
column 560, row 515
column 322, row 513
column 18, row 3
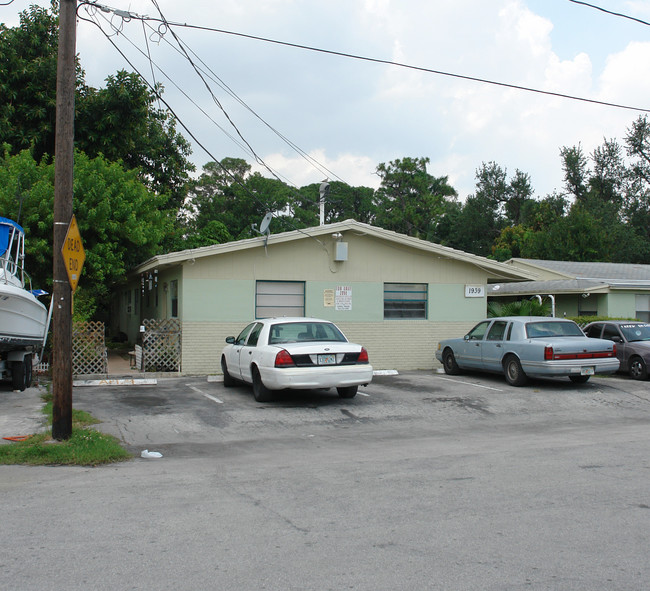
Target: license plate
column 587, row 371
column 329, row 359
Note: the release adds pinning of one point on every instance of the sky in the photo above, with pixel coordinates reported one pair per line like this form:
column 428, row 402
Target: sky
column 311, row 116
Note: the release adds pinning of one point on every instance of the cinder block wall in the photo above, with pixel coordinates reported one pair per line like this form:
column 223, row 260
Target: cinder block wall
column 395, row 344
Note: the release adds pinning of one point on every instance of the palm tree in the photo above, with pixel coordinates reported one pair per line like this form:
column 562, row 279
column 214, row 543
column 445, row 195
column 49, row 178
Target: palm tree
column 519, row 308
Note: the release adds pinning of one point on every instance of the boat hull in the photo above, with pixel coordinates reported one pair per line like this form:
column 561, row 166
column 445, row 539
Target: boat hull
column 22, row 319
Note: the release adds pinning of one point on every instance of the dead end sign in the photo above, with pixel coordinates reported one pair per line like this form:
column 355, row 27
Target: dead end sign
column 73, row 253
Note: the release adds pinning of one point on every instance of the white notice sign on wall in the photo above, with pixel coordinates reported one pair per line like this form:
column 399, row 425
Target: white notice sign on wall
column 343, row 297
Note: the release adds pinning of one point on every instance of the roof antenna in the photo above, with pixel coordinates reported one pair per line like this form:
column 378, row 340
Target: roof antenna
column 264, row 227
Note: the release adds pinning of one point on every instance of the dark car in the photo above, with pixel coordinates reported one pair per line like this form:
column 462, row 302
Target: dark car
column 632, row 343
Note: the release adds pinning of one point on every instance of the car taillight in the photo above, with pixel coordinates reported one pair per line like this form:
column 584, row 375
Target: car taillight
column 548, row 353
column 363, row 356
column 283, row 359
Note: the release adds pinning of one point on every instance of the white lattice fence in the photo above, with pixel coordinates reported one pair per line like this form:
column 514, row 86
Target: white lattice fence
column 89, row 354
column 161, row 345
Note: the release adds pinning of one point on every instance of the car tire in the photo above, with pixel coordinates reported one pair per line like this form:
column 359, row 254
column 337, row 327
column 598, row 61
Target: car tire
column 638, row 368
column 513, row 371
column 260, row 391
column 18, row 375
column 228, row 380
column 579, row 379
column 449, row 363
column 28, row 371
column 348, row 391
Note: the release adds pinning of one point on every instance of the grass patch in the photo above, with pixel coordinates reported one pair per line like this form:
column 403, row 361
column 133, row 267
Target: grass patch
column 86, row 447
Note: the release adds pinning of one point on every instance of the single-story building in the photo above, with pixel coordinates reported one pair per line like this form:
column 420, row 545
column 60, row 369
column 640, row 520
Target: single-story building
column 396, row 295
column 583, row 289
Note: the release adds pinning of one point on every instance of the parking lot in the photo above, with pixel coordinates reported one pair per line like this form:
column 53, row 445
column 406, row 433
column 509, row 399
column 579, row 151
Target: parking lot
column 422, row 481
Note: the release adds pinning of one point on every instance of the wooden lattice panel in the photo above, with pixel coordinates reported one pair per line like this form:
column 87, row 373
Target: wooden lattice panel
column 161, row 345
column 89, row 354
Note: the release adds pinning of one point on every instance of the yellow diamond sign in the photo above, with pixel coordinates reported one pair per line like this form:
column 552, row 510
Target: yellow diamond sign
column 73, row 253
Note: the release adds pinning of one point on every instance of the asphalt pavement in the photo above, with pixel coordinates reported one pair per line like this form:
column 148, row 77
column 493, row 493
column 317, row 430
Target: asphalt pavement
column 422, row 481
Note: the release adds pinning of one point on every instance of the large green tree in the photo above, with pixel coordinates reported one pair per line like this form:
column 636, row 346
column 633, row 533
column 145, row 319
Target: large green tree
column 121, row 221
column 227, row 200
column 409, row 199
column 28, row 64
column 120, row 121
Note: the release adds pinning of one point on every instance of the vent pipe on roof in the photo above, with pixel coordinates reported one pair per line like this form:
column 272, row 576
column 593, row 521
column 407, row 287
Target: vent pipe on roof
column 324, row 191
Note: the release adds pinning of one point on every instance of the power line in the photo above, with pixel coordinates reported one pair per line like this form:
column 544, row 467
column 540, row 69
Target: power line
column 638, row 20
column 403, row 65
column 184, row 50
column 234, row 178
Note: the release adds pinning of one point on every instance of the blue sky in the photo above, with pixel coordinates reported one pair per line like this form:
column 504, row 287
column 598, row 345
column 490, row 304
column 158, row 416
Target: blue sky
column 348, row 115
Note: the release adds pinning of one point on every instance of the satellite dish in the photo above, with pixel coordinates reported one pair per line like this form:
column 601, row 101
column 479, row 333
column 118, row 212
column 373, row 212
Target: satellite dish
column 264, row 226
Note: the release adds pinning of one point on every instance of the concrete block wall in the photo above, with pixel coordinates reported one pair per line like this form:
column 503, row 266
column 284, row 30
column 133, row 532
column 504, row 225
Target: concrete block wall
column 394, row 344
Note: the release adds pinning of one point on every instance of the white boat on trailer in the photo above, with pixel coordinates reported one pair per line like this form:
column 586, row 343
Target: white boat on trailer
column 23, row 318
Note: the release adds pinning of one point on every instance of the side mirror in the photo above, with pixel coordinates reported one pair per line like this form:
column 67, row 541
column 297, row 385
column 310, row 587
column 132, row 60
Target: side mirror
column 466, row 337
column 230, row 340
column 617, row 339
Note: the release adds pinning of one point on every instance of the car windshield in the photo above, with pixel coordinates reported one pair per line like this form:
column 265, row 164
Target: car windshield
column 300, row 332
column 636, row 332
column 540, row 330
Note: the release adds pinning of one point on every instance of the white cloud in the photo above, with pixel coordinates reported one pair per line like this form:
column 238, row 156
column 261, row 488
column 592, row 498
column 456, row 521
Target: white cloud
column 352, row 115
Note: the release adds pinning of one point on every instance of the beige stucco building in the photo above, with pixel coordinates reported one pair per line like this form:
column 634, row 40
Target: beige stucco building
column 395, row 294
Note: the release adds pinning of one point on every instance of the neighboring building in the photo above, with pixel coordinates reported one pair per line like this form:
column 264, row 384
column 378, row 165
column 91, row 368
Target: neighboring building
column 395, row 294
column 583, row 289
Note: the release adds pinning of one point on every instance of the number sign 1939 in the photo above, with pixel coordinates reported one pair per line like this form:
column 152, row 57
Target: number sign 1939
column 474, row 291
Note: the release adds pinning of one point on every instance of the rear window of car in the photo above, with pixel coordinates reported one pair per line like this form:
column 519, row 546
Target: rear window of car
column 540, row 330
column 300, row 332
column 636, row 332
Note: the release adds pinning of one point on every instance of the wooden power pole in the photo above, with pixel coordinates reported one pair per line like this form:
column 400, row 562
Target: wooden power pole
column 63, row 179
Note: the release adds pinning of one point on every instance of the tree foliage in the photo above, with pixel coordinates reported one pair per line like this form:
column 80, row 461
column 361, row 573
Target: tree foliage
column 121, row 222
column 409, row 199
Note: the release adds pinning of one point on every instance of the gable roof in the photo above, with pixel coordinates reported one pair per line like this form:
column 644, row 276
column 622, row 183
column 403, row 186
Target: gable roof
column 556, row 277
column 494, row 269
column 591, row 271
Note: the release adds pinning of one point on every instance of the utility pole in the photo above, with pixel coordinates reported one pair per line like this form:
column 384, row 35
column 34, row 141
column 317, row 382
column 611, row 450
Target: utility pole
column 63, row 179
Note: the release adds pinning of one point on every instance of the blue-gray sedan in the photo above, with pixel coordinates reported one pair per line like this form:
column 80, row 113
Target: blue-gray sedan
column 529, row 346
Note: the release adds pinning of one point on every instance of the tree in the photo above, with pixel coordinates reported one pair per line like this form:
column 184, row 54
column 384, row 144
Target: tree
column 342, row 203
column 121, row 222
column 28, row 81
column 574, row 164
column 518, row 197
column 410, row 200
column 227, row 193
column 121, row 122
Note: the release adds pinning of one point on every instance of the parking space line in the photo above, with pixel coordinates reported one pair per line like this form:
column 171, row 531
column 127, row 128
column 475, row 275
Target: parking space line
column 214, row 398
column 471, row 384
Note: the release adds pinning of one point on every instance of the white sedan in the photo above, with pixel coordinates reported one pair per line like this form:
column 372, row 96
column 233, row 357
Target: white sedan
column 296, row 353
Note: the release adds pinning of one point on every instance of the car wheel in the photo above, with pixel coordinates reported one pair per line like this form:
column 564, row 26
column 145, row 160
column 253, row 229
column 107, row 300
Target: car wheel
column 638, row 368
column 579, row 379
column 449, row 363
column 513, row 371
column 18, row 375
column 260, row 391
column 348, row 391
column 228, row 380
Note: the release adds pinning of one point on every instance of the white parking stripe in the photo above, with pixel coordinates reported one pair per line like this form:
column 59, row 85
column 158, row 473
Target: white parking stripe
column 204, row 394
column 471, row 384
column 363, row 394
